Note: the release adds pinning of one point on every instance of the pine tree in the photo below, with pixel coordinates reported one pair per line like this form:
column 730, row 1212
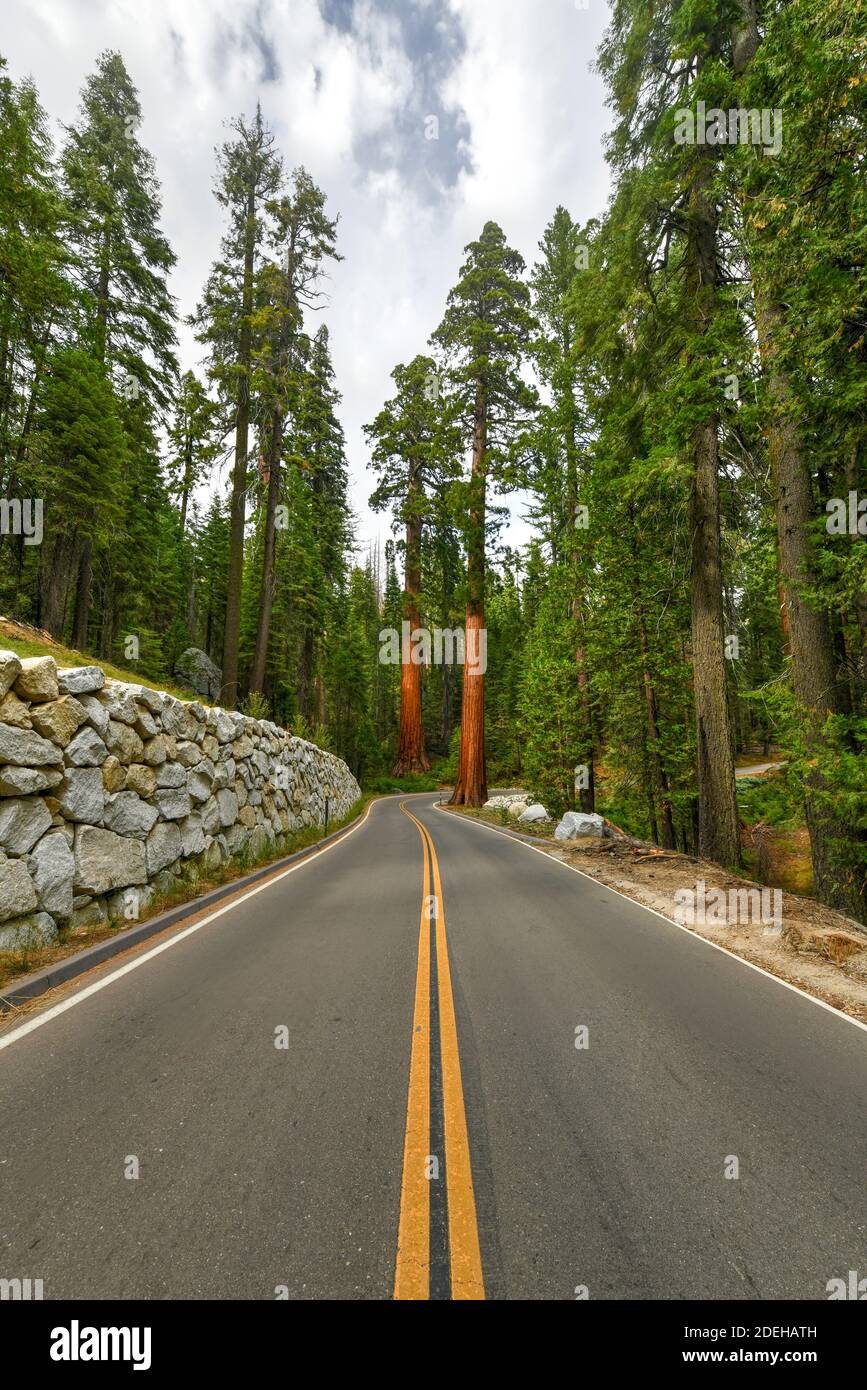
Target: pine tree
column 193, row 440
column 249, row 174
column 559, row 445
column 35, row 294
column 413, row 447
column 79, row 460
column 484, row 334
column 121, row 259
column 301, row 239
column 818, row 150
column 675, row 214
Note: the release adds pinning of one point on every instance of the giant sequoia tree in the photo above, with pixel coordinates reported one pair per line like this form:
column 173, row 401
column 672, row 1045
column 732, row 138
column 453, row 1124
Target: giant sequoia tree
column 484, row 334
column 413, row 447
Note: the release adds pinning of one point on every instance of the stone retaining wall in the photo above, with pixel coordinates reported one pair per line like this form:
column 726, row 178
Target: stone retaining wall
column 111, row 793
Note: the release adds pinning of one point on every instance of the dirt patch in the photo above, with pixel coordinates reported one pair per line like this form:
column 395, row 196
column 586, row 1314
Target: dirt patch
column 818, row 949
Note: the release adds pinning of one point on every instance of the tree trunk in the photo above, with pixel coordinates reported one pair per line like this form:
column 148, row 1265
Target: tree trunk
column 853, row 478
column 471, row 787
column 411, row 752
column 188, row 479
column 660, row 776
column 269, row 571
column 55, row 585
column 718, row 836
column 587, row 795
column 229, row 689
column 81, row 614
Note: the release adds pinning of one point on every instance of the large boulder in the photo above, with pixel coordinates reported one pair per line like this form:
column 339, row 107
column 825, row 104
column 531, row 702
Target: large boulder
column 58, row 719
column 17, row 893
column 52, row 865
column 127, row 814
column 578, row 825
column 504, row 801
column 192, row 834
column 14, row 711
column 97, row 714
column 534, row 815
column 29, row 933
column 25, row 781
column 22, row 822
column 25, row 748
column 104, row 860
column 164, row 846
column 141, row 778
column 124, row 742
column 37, row 679
column 81, row 680
column 86, row 749
column 172, row 802
column 196, row 669
column 10, row 670
column 82, row 795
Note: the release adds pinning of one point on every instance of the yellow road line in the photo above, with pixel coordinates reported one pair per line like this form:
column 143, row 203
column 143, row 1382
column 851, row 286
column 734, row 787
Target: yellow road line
column 412, row 1272
column 464, row 1253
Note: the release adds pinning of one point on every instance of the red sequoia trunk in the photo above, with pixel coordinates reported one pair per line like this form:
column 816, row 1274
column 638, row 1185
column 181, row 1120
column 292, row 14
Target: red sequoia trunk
column 411, row 752
column 471, row 787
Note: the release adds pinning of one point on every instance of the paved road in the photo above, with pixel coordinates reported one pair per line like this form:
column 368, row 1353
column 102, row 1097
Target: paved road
column 547, row 1167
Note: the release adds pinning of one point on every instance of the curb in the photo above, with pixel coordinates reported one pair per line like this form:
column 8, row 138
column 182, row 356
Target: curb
column 31, row 986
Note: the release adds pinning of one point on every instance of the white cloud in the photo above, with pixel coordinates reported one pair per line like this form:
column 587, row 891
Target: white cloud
column 535, row 120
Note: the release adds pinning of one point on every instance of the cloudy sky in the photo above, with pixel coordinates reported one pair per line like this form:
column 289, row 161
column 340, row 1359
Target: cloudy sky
column 348, row 86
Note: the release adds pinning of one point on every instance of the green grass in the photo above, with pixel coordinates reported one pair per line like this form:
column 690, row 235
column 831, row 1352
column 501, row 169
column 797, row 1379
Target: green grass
column 15, row 637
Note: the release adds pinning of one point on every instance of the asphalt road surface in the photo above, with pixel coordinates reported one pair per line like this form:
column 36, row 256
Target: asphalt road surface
column 369, row 1079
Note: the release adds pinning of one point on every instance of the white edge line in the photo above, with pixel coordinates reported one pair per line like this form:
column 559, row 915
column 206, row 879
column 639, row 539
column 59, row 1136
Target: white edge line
column 36, row 1022
column 696, row 936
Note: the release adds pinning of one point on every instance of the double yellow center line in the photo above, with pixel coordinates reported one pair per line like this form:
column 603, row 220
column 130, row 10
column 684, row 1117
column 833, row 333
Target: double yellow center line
column 438, row 1252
